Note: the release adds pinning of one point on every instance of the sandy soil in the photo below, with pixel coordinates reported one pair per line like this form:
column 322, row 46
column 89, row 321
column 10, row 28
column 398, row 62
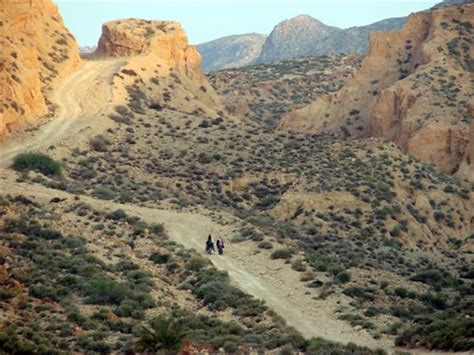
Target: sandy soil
column 82, row 95
column 83, row 99
column 266, row 279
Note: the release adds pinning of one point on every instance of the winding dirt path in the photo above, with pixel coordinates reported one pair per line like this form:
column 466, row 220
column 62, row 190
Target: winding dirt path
column 85, row 96
column 270, row 280
column 82, row 95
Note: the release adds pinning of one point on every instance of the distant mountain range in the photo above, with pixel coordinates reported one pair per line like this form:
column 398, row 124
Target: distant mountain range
column 299, row 36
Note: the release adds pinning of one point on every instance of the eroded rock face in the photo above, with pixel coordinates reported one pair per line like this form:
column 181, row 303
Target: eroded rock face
column 37, row 50
column 413, row 88
column 466, row 170
column 160, row 63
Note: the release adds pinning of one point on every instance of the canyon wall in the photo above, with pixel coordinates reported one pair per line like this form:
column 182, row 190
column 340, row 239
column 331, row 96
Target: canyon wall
column 37, row 50
column 413, row 89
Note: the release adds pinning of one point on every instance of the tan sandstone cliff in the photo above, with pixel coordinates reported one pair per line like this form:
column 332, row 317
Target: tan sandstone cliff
column 413, row 88
column 36, row 50
column 160, row 63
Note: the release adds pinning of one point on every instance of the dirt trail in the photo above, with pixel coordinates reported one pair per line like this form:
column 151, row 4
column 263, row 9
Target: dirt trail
column 82, row 99
column 266, row 279
column 84, row 94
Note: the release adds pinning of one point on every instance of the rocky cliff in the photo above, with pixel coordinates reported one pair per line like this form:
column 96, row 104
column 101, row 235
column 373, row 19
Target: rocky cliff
column 36, row 51
column 160, row 65
column 413, row 89
column 231, row 51
column 466, row 170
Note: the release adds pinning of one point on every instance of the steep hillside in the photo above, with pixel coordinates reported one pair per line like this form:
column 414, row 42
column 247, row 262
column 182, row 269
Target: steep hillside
column 413, row 89
column 231, row 51
column 162, row 68
column 354, row 39
column 37, row 50
column 265, row 92
column 75, row 278
column 377, row 239
column 293, row 38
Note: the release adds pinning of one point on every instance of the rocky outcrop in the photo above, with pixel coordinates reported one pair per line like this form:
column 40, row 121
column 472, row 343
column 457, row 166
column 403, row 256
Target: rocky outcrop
column 294, row 37
column 413, row 89
column 466, row 170
column 37, row 50
column 160, row 64
column 231, row 51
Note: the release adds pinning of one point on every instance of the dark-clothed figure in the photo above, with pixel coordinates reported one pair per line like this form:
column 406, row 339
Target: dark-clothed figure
column 209, row 245
column 220, row 246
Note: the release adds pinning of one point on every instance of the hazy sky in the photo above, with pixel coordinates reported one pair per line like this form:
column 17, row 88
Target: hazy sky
column 205, row 20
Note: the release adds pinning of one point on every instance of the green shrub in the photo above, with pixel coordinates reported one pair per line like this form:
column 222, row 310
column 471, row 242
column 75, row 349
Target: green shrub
column 158, row 258
column 453, row 333
column 449, row 189
column 99, row 143
column 162, row 334
column 282, row 254
column 435, row 277
column 364, row 293
column 214, row 289
column 298, row 265
column 196, row 263
column 158, row 229
column 268, row 202
column 401, row 292
column 436, row 301
column 105, row 291
column 343, row 277
column 117, row 215
column 265, row 245
column 103, row 192
column 37, row 162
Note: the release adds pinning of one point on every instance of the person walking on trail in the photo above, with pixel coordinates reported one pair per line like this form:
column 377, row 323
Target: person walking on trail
column 209, row 245
column 220, row 246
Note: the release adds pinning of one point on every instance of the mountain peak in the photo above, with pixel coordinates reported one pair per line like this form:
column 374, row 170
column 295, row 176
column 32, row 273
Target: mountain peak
column 294, row 37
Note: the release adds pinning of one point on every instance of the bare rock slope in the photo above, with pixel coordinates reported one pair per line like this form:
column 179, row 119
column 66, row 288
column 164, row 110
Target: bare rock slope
column 37, row 50
column 160, row 63
column 413, row 88
column 231, row 51
column 294, row 37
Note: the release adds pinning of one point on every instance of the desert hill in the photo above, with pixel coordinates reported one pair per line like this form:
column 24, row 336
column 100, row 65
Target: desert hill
column 159, row 59
column 265, row 92
column 231, row 51
column 37, row 50
column 294, row 38
column 413, row 88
